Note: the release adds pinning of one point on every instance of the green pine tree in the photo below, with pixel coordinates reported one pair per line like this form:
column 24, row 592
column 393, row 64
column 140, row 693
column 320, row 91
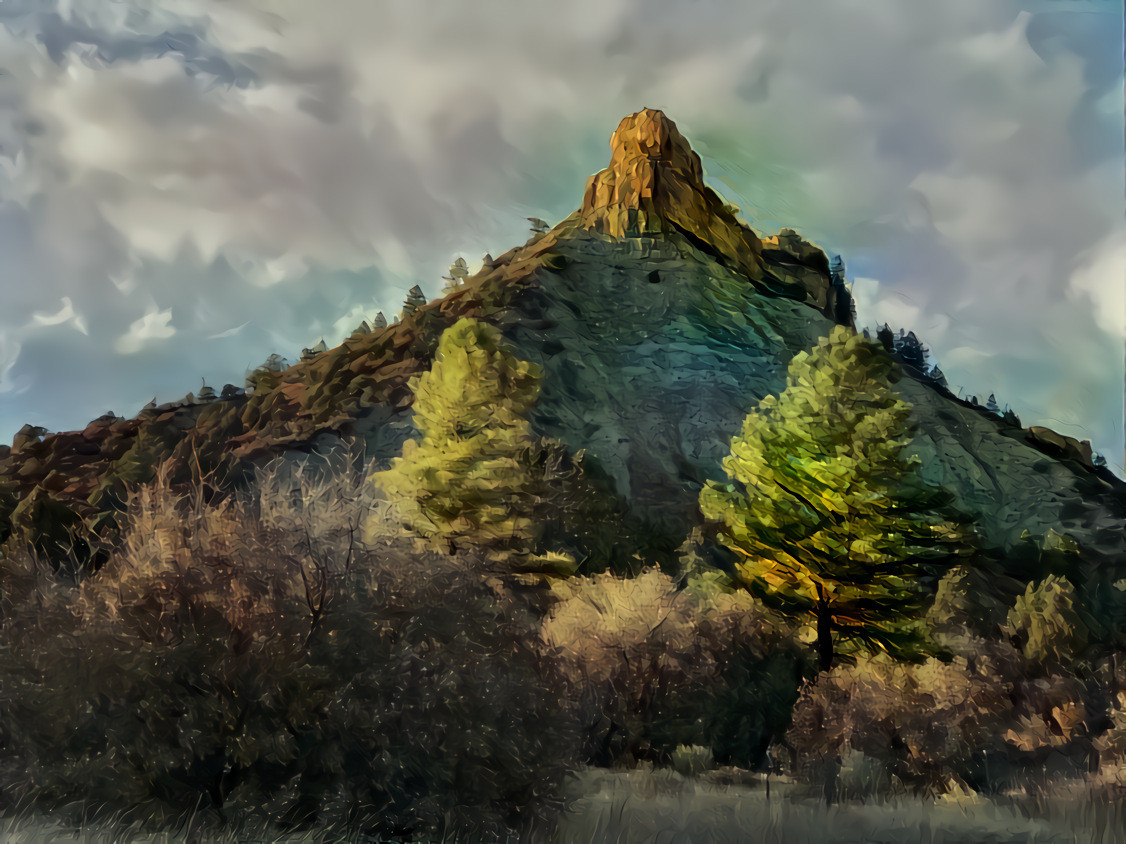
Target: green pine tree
column 471, row 479
column 825, row 511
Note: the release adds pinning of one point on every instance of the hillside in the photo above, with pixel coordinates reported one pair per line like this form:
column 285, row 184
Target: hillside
column 660, row 319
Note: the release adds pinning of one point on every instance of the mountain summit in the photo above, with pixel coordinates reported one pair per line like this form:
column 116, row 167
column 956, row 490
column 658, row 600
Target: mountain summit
column 659, row 319
column 655, row 184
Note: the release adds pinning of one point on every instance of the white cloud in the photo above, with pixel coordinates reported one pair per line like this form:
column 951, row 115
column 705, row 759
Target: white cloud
column 1102, row 277
column 155, row 325
column 64, row 316
column 230, row 332
column 9, row 354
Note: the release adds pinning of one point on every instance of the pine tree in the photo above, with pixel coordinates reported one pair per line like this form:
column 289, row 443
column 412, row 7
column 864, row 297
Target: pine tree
column 267, row 375
column 415, row 300
column 469, row 479
column 824, row 509
column 459, row 270
column 910, row 351
column 309, row 354
column 206, row 394
column 886, row 337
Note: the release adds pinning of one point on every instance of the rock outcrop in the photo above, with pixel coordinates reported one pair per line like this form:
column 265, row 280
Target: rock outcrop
column 655, row 184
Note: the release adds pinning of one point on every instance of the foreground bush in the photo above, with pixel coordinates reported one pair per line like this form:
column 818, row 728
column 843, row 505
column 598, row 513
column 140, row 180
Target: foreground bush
column 651, row 667
column 925, row 725
column 224, row 668
column 981, row 720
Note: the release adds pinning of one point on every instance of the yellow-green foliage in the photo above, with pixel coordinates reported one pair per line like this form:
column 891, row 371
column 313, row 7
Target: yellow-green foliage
column 468, row 479
column 823, row 509
column 1046, row 623
column 965, row 600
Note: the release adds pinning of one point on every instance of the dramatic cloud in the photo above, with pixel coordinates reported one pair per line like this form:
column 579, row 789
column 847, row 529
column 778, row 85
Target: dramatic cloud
column 185, row 190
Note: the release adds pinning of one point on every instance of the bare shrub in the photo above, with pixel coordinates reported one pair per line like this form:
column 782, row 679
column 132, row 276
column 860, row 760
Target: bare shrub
column 619, row 643
column 324, row 497
column 241, row 660
column 651, row 667
column 939, row 726
column 923, row 723
column 1111, row 746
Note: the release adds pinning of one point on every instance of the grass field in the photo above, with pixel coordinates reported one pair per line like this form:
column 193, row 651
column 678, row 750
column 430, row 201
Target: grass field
column 661, row 806
column 631, row 807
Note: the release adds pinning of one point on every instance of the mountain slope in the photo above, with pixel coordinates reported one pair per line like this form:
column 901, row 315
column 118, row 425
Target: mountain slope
column 660, row 319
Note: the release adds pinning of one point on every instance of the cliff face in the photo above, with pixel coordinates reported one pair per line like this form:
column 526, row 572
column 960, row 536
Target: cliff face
column 655, row 185
column 660, row 320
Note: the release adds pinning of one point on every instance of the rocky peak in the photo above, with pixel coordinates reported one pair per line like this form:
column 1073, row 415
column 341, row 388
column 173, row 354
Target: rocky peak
column 655, row 184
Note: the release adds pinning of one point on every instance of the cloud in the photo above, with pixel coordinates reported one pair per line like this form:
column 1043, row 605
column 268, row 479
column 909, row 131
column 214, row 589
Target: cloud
column 230, row 332
column 1101, row 276
column 64, row 316
column 155, row 325
column 9, row 354
column 285, row 166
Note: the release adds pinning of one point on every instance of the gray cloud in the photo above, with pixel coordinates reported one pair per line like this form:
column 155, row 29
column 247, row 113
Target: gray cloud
column 246, row 177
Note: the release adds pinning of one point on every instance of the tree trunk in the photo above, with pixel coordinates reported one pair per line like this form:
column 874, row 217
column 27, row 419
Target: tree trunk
column 824, row 633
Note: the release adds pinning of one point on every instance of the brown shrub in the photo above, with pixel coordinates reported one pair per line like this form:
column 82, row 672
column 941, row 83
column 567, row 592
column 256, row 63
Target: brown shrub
column 939, row 725
column 651, row 667
column 232, row 666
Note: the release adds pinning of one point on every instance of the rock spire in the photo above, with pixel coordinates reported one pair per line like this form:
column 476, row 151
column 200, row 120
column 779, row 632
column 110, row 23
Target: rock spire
column 655, row 184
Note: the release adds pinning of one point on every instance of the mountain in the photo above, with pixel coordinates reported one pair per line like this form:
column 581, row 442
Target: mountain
column 660, row 319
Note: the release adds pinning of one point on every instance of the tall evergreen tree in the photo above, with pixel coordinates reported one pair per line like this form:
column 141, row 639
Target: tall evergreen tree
column 470, row 479
column 824, row 508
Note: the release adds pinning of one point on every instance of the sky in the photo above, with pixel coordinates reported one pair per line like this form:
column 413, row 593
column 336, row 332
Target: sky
column 189, row 186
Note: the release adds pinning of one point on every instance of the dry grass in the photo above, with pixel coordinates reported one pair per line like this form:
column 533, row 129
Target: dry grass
column 662, row 806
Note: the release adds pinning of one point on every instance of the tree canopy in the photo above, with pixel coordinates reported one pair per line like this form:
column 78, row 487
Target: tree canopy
column 823, row 506
column 469, row 479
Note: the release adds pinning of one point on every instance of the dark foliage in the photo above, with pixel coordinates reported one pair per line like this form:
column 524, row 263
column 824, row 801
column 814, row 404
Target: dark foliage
column 219, row 669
